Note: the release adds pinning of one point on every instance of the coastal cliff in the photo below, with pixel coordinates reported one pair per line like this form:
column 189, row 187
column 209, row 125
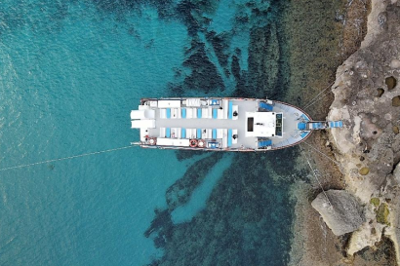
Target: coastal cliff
column 367, row 98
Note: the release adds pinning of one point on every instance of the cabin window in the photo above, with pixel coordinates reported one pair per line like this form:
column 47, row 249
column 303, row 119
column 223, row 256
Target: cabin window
column 250, row 124
column 278, row 128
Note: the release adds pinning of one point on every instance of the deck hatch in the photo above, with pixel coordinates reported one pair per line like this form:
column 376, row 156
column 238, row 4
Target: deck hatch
column 250, row 124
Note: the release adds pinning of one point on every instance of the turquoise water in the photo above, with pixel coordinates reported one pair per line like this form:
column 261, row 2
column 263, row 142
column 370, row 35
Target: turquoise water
column 70, row 72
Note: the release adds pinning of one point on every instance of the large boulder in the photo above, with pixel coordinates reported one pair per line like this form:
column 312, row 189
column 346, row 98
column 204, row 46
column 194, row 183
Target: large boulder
column 342, row 212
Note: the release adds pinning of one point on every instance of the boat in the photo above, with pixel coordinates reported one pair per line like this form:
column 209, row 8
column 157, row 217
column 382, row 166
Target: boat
column 222, row 124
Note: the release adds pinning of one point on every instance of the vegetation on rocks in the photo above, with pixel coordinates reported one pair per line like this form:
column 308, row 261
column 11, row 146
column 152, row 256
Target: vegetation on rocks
column 375, row 202
column 382, row 214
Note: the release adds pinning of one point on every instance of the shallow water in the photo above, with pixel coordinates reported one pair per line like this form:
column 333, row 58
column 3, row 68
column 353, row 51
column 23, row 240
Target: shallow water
column 70, row 72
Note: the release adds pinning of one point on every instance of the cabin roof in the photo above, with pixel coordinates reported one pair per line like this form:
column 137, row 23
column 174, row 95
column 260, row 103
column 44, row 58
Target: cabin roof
column 264, row 124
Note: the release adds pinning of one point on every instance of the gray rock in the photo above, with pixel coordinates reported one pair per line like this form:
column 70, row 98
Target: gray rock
column 345, row 215
column 396, row 173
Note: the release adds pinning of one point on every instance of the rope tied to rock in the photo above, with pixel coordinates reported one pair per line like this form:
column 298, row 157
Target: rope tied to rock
column 315, row 175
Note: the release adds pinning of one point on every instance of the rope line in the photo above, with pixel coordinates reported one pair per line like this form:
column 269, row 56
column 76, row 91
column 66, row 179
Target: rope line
column 63, row 159
column 317, row 100
column 315, row 175
column 314, row 100
column 326, row 156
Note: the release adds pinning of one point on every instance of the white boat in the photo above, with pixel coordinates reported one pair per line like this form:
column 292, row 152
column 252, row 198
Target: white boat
column 222, row 124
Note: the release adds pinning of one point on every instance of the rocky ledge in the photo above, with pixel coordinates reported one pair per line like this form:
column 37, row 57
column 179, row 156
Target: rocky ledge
column 340, row 210
column 367, row 99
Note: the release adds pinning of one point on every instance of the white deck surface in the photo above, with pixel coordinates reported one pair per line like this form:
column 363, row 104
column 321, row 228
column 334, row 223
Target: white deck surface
column 291, row 117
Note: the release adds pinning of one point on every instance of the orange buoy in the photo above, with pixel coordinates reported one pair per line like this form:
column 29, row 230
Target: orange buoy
column 193, row 143
column 201, row 143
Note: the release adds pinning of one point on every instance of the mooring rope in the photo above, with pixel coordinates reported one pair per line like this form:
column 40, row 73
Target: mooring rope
column 314, row 100
column 326, row 156
column 63, row 159
column 315, row 175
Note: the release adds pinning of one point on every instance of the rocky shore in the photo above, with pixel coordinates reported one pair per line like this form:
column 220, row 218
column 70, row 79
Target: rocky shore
column 367, row 98
column 362, row 229
column 365, row 219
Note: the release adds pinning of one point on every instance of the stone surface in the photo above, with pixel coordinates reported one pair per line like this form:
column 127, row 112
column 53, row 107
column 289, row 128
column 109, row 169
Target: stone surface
column 342, row 213
column 365, row 91
column 396, row 173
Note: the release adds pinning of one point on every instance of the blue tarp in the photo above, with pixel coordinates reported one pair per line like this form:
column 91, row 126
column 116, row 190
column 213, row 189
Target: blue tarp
column 301, row 126
column 317, row 125
column 199, row 133
column 264, row 143
column 184, row 113
column 214, row 133
column 168, row 132
column 215, row 113
column 229, row 137
column 230, row 110
column 183, row 134
column 199, row 113
column 168, row 112
column 266, row 106
column 335, row 124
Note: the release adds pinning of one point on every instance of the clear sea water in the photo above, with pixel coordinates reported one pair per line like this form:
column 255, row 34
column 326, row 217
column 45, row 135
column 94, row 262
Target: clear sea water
column 70, row 72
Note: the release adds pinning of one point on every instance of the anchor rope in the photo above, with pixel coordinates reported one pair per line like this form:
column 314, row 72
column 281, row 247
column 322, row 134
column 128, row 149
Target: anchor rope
column 315, row 99
column 63, row 159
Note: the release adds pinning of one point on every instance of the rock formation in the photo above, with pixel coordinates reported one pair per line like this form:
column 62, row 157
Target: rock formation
column 342, row 212
column 367, row 99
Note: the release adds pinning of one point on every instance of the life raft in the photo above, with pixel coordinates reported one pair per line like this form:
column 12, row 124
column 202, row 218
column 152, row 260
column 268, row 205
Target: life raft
column 193, row 143
column 152, row 141
column 201, row 143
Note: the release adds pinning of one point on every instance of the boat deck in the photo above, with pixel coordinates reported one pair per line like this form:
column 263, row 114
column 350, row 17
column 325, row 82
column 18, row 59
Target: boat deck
column 209, row 124
column 174, row 127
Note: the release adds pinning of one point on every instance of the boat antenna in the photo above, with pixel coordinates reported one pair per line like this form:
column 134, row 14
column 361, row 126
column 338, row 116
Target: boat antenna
column 63, row 159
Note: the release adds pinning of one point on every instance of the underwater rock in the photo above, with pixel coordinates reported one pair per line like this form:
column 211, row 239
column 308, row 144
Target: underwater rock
column 180, row 192
column 204, row 75
column 161, row 227
column 246, row 221
column 265, row 61
column 185, row 154
column 345, row 215
column 220, row 43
